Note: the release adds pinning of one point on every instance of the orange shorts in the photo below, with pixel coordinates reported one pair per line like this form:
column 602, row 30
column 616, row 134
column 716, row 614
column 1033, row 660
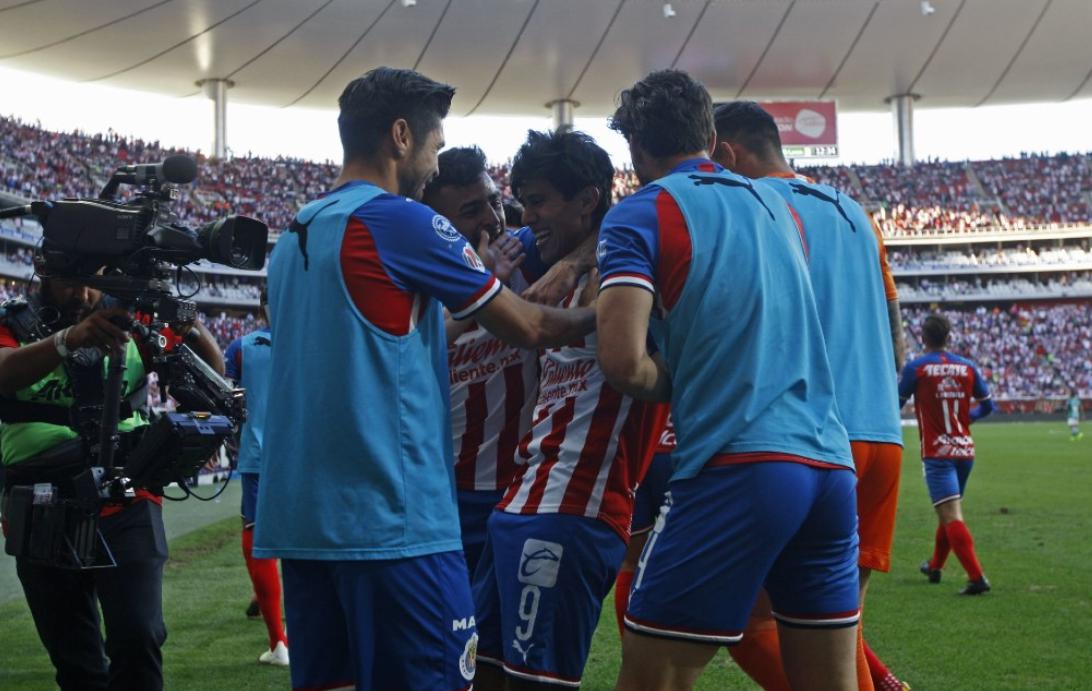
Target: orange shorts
column 879, row 466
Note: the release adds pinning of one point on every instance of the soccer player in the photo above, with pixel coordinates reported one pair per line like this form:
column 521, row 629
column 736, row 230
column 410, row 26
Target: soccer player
column 357, row 496
column 1073, row 415
column 555, row 542
column 493, row 384
column 247, row 363
column 763, row 488
column 859, row 312
column 943, row 386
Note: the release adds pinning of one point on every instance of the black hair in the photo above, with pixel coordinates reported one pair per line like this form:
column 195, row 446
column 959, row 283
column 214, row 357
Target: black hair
column 746, row 123
column 370, row 105
column 513, row 213
column 935, row 330
column 570, row 161
column 459, row 167
column 667, row 113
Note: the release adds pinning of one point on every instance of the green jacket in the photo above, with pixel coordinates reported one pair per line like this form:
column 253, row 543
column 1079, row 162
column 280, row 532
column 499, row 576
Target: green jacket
column 23, row 440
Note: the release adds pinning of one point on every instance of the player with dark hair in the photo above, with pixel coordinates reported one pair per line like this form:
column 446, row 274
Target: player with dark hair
column 859, row 311
column 357, row 496
column 247, row 363
column 943, row 386
column 763, row 488
column 555, row 542
column 493, row 384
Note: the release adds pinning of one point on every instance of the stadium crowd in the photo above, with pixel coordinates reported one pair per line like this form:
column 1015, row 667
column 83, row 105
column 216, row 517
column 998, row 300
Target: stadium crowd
column 1025, row 351
column 933, row 197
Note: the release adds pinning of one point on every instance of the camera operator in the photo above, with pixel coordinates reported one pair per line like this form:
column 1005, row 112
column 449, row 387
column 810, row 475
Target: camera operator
column 38, row 381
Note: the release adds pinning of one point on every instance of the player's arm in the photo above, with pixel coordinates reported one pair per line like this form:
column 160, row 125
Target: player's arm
column 527, row 325
column 908, row 383
column 561, row 278
column 622, row 316
column 894, row 313
column 628, row 256
column 427, row 258
column 982, row 397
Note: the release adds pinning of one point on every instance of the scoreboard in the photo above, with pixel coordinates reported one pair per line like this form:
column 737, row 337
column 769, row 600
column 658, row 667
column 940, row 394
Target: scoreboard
column 809, row 129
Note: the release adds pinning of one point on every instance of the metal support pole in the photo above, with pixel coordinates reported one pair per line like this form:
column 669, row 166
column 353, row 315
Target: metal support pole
column 562, row 110
column 902, row 110
column 216, row 90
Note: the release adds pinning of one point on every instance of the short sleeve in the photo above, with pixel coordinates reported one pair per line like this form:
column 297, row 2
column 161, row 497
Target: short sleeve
column 981, row 389
column 423, row 253
column 233, row 360
column 908, row 382
column 629, row 242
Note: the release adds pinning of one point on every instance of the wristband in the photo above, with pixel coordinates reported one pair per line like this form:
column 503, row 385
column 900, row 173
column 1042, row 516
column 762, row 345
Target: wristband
column 59, row 344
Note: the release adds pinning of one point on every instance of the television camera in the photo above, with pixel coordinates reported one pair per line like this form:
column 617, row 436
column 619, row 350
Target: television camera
column 129, row 251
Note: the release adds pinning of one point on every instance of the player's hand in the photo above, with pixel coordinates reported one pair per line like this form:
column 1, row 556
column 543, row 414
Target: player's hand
column 98, row 331
column 590, row 293
column 502, row 256
column 555, row 284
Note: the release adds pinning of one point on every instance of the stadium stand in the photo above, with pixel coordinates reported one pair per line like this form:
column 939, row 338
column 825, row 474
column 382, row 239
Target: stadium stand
column 984, row 239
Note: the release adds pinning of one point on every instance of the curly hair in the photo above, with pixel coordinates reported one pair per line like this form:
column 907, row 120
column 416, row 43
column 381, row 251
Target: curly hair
column 570, row 161
column 667, row 113
column 370, row 105
column 459, row 167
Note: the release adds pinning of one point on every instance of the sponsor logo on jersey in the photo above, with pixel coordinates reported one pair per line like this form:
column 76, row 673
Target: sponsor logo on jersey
column 471, row 259
column 946, row 370
column 444, row 229
column 463, row 624
column 540, row 562
column 468, row 661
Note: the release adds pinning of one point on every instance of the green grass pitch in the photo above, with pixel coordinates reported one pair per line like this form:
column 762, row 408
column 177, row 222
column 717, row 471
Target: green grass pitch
column 1027, row 506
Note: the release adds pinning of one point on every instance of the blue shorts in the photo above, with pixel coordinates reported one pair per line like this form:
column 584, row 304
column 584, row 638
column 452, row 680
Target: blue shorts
column 946, row 479
column 385, row 624
column 650, row 494
column 538, row 590
column 249, row 509
column 727, row 532
column 475, row 508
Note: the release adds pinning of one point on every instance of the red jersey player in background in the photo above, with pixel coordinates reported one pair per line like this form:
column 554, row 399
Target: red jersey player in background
column 943, row 386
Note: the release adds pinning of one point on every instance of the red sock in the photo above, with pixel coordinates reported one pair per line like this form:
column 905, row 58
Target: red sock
column 759, row 655
column 267, row 588
column 882, row 678
column 963, row 546
column 940, row 549
column 621, row 597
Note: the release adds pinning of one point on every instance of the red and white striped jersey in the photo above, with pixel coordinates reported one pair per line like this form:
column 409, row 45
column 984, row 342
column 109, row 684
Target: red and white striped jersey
column 493, row 391
column 588, row 446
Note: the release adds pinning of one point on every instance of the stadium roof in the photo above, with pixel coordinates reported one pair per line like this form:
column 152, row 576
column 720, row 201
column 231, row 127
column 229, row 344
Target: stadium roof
column 514, row 56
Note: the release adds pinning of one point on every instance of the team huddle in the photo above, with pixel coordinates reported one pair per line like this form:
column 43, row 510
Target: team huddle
column 691, row 397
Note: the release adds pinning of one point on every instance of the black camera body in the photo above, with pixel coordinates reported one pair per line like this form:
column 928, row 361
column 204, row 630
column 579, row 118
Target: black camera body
column 126, row 250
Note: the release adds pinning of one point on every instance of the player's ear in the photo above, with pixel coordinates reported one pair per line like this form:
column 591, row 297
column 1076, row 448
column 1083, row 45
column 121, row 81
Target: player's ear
column 724, row 154
column 589, row 199
column 401, row 138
